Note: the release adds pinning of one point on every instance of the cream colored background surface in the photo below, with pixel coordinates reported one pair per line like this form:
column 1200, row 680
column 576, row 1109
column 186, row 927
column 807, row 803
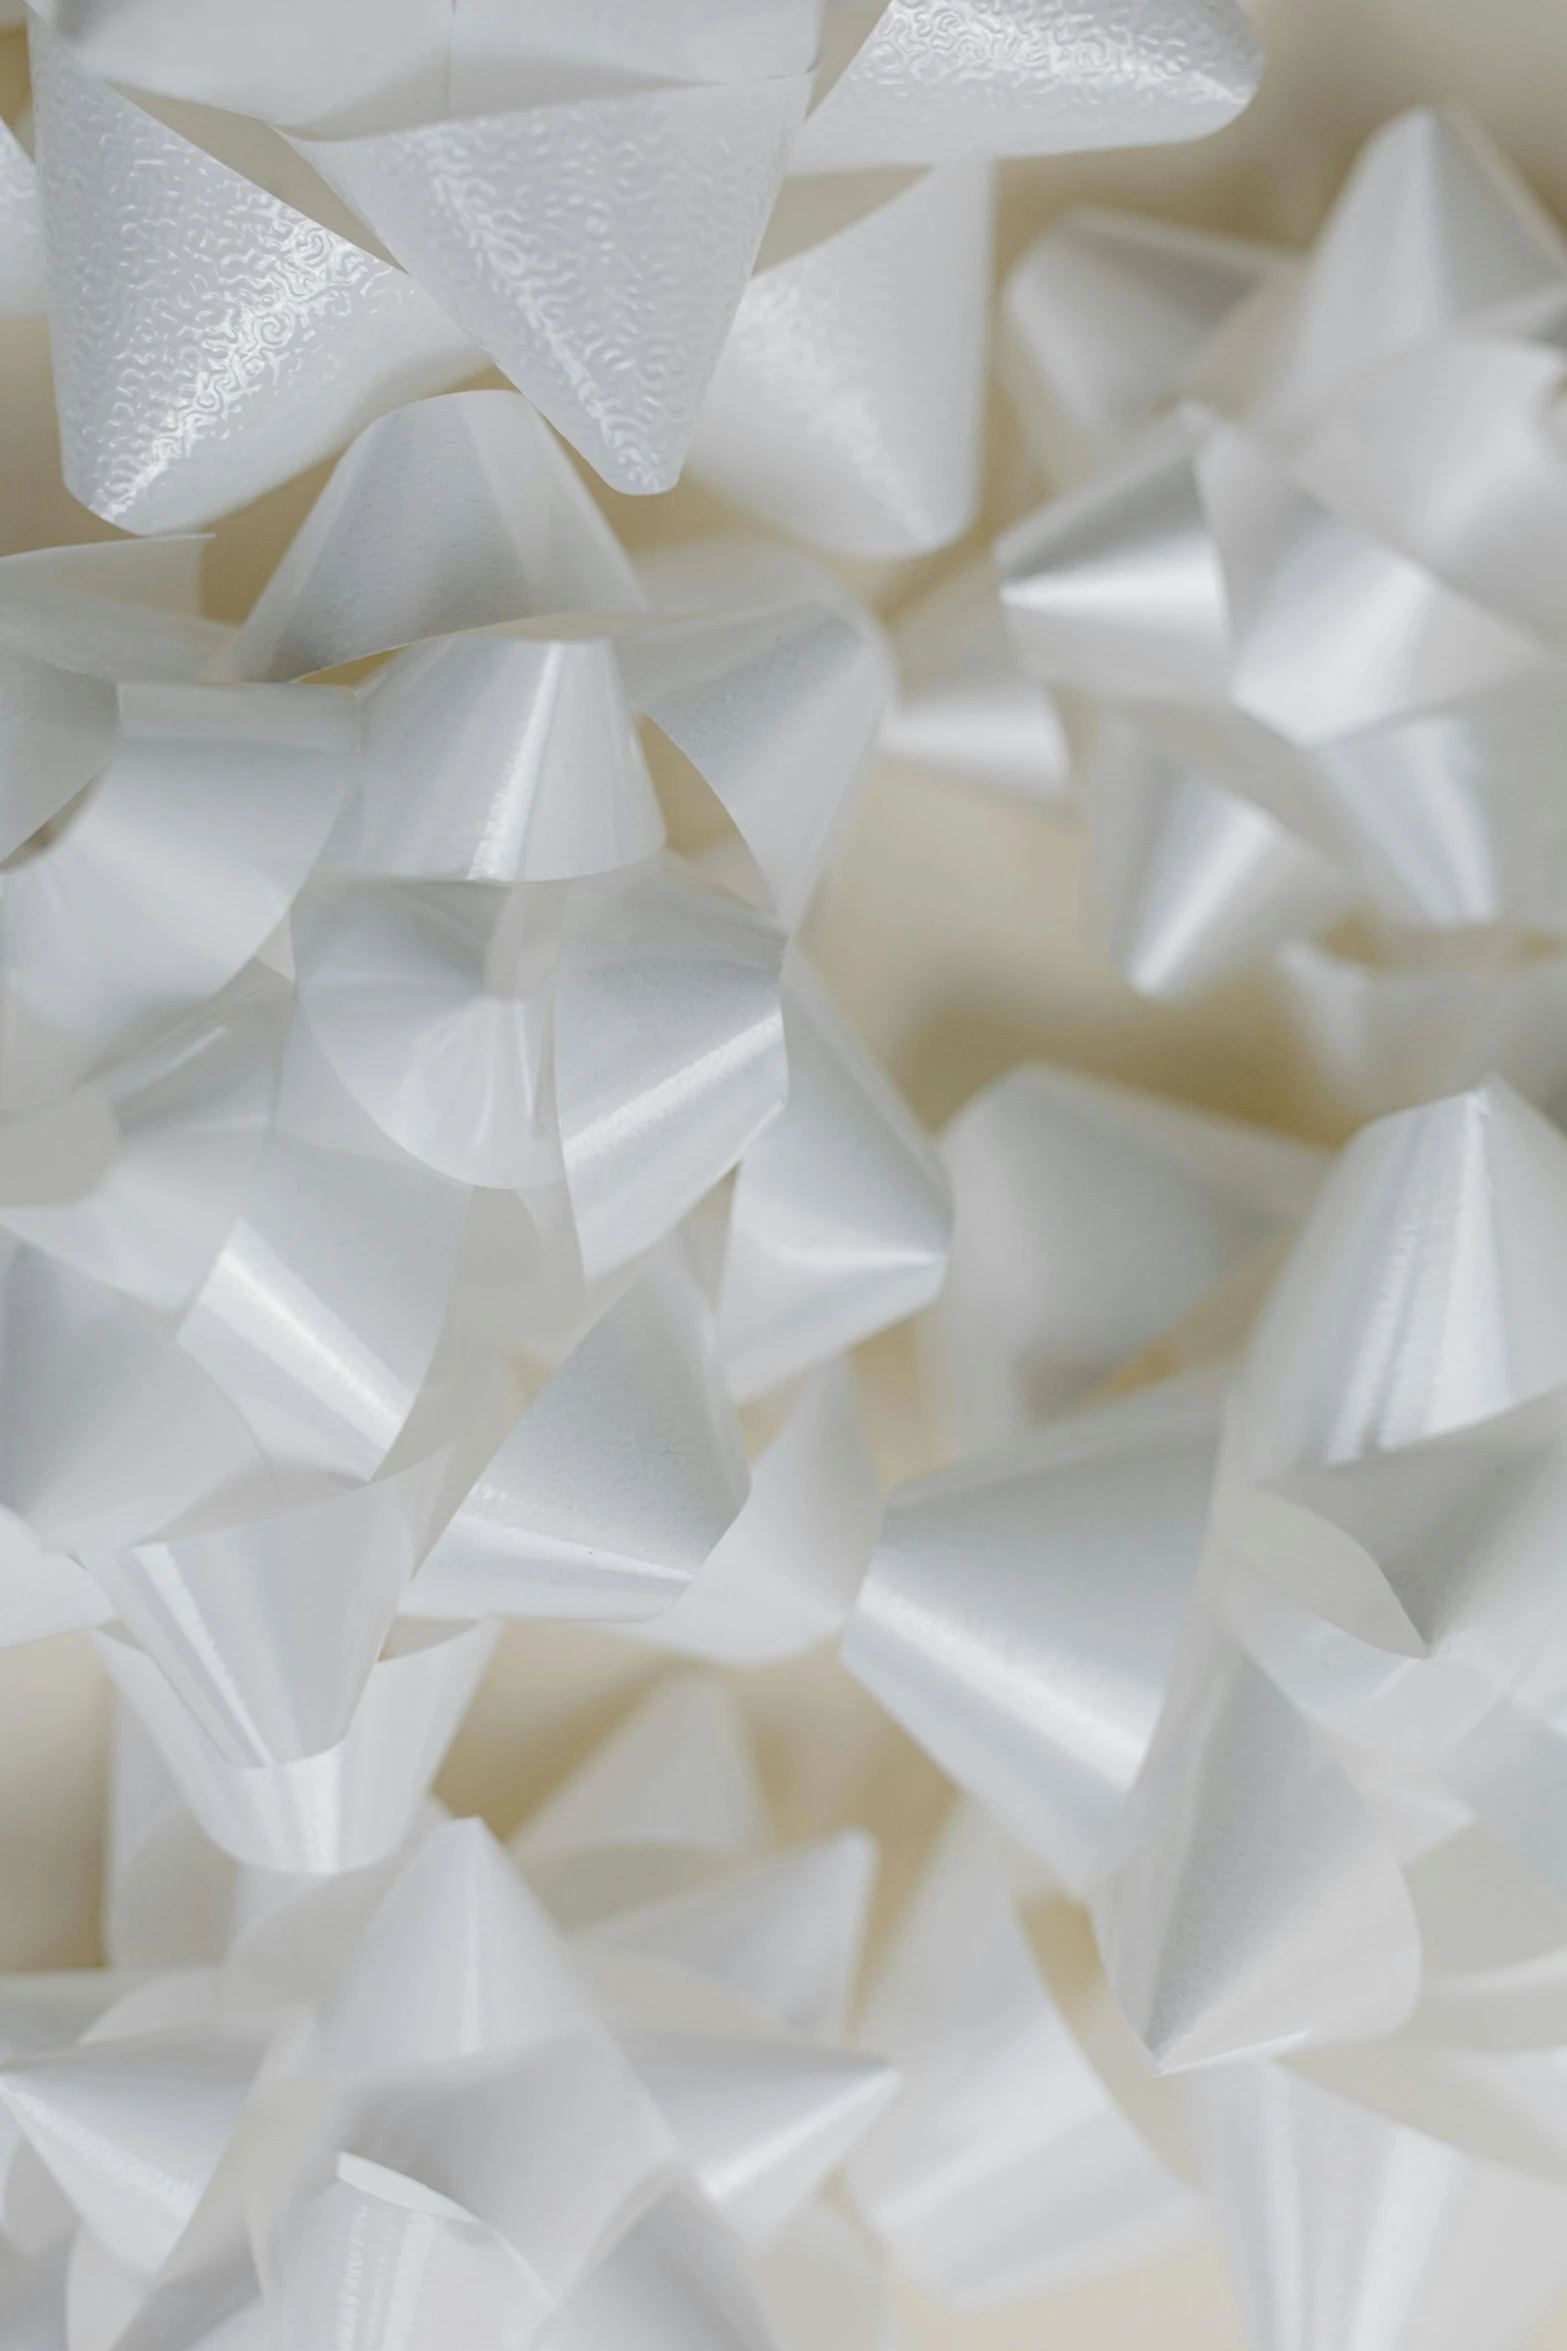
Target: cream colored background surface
column 951, row 936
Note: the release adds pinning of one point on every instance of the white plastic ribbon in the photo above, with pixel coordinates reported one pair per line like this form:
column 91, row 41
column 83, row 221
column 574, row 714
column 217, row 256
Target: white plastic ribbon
column 450, row 514
column 1021, row 1613
column 966, row 706
column 290, row 228
column 848, row 402
column 1302, row 572
column 1269, row 1706
column 351, row 1127
column 425, row 2106
column 1338, row 2221
column 595, row 245
column 1008, row 2166
column 434, row 1190
column 993, row 79
column 1087, row 1219
column 209, row 340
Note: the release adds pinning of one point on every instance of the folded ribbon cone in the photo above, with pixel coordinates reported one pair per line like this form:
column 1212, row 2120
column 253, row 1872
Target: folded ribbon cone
column 447, row 1215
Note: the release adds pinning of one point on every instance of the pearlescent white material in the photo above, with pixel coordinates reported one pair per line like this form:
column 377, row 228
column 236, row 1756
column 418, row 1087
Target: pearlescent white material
column 1006, row 2166
column 848, row 404
column 180, row 863
column 499, row 53
column 396, row 2100
column 494, row 758
column 1193, row 883
column 761, row 2123
column 270, row 1630
column 209, row 341
column 1021, row 1614
column 1476, row 406
column 45, row 1591
column 1013, row 77
column 369, row 2252
column 1254, row 1905
column 133, row 2128
column 56, row 730
column 1423, row 1296
column 345, row 1806
column 595, row 247
column 674, row 2282
column 1118, row 586
column 1343, row 2227
column 1088, row 1218
column 450, row 514
column 1509, row 1770
column 785, row 1932
column 109, row 1431
column 614, row 1486
column 676, row 1772
column 778, row 710
column 1446, row 819
column 1306, row 552
column 1103, row 313
column 488, row 2135
column 455, row 1960
column 1386, row 1035
column 421, row 1191
column 1405, row 1387
column 1431, row 224
column 429, row 1000
column 670, row 1055
column 783, row 1576
column 292, row 65
column 840, row 1219
column 128, row 610
column 320, row 1315
column 142, row 1192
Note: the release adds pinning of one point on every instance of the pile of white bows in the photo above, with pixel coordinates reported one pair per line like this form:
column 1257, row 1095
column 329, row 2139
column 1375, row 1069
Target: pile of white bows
column 430, row 1198
column 407, row 2104
column 740, row 234
column 372, row 1076
column 408, row 1162
column 1257, row 1647
column 1305, row 597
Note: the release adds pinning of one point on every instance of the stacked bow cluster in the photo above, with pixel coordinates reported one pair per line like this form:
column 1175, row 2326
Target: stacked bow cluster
column 1259, row 1655
column 1302, row 607
column 1242, row 1621
column 410, row 1164
column 436, row 2100
column 750, row 237
column 434, row 1190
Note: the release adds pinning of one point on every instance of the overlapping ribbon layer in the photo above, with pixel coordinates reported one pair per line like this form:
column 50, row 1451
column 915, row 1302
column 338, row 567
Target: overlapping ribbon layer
column 255, row 237
column 409, row 1162
column 429, row 1197
column 1253, row 1644
column 1300, row 596
column 583, row 2094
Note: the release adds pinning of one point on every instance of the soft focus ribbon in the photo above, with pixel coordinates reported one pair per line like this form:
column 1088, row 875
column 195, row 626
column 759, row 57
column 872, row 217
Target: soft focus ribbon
column 582, row 2094
column 1240, row 1620
column 435, row 1190
column 1300, row 610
